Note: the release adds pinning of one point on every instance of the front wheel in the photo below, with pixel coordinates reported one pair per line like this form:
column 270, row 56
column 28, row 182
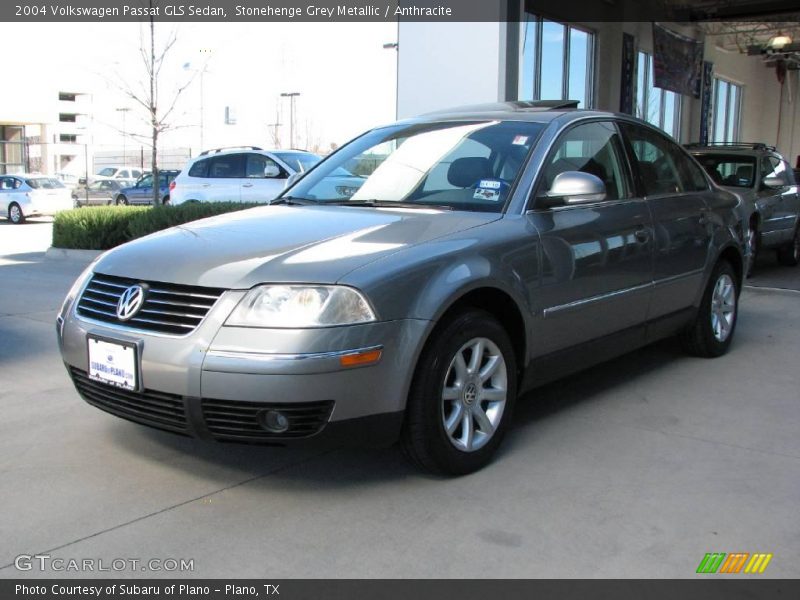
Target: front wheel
column 711, row 333
column 462, row 395
column 789, row 255
column 122, row 200
column 15, row 214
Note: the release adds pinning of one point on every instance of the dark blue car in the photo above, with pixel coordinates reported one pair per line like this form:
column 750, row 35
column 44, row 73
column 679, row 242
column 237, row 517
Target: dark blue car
column 142, row 192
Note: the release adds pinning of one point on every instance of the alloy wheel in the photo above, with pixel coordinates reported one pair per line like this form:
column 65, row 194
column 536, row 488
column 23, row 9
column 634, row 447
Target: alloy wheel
column 474, row 394
column 723, row 307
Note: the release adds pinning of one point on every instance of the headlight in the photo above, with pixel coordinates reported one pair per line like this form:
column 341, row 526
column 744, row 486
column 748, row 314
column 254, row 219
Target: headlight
column 301, row 306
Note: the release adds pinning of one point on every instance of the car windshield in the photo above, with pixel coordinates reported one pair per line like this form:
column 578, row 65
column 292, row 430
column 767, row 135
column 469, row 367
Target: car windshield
column 300, row 162
column 463, row 165
column 44, row 183
column 733, row 171
column 107, row 172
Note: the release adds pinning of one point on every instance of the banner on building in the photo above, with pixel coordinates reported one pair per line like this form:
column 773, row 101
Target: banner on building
column 677, row 62
column 705, row 105
column 628, row 74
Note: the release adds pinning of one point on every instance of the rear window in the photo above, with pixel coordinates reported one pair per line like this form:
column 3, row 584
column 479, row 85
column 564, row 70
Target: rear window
column 44, row 183
column 199, row 169
column 733, row 171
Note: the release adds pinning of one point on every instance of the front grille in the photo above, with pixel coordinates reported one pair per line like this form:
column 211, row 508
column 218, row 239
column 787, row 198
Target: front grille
column 168, row 308
column 228, row 420
column 157, row 409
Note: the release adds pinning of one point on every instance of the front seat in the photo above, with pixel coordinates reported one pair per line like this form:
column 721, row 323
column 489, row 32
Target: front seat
column 467, row 171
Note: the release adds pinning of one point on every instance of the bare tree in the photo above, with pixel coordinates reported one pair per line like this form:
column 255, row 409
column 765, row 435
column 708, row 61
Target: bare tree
column 157, row 114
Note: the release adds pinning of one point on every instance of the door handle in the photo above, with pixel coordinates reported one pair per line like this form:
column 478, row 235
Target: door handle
column 642, row 234
column 247, row 185
column 703, row 217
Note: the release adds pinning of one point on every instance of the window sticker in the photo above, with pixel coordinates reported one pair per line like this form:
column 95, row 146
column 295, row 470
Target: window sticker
column 520, row 140
column 489, row 184
column 482, row 193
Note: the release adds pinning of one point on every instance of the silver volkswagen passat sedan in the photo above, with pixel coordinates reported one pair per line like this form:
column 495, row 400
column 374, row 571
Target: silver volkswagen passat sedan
column 479, row 253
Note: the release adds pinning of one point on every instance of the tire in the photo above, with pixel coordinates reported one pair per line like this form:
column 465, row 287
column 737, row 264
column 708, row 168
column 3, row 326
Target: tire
column 479, row 408
column 711, row 333
column 789, row 255
column 15, row 214
column 165, row 201
column 121, row 200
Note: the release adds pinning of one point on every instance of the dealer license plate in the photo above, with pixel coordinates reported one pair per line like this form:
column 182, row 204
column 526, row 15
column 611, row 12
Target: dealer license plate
column 113, row 363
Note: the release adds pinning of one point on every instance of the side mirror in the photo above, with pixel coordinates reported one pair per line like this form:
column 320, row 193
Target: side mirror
column 271, row 171
column 294, row 178
column 82, row 181
column 573, row 187
column 773, row 182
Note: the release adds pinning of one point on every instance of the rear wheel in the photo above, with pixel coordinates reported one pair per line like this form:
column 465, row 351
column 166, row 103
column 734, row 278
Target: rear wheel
column 711, row 333
column 462, row 395
column 789, row 255
column 15, row 214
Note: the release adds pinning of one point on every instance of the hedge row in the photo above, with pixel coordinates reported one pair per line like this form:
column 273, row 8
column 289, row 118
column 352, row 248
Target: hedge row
column 104, row 227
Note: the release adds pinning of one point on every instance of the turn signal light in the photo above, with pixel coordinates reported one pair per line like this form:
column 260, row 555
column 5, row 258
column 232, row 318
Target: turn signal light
column 361, row 359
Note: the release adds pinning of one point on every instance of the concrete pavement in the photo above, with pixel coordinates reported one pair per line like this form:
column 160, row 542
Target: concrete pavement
column 635, row 468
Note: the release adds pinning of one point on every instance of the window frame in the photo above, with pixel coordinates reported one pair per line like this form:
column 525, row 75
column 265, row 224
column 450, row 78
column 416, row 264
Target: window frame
column 642, row 98
column 737, row 123
column 591, row 61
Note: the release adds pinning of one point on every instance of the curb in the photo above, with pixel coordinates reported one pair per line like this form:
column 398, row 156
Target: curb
column 67, row 254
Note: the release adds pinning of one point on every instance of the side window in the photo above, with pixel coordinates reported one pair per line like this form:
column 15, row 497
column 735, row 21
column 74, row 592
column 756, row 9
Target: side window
column 593, row 148
column 691, row 173
column 226, row 167
column 199, row 169
column 256, row 163
column 5, row 183
column 658, row 162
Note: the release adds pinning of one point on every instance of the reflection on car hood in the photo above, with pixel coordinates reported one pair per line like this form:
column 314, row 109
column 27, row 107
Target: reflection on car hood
column 309, row 244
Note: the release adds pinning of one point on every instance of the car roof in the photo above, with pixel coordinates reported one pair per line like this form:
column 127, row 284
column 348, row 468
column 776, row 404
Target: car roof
column 744, row 148
column 234, row 149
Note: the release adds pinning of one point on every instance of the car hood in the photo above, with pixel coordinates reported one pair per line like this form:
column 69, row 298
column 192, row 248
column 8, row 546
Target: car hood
column 293, row 244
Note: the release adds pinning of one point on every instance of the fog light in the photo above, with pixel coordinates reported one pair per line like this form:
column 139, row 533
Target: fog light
column 274, row 421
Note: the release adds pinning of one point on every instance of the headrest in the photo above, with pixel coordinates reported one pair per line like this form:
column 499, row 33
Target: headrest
column 464, row 172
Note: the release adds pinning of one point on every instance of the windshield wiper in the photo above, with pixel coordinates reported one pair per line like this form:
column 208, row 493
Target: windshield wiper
column 389, row 204
column 293, row 201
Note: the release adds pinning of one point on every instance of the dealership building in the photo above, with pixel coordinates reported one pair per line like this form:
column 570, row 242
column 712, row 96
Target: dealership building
column 724, row 73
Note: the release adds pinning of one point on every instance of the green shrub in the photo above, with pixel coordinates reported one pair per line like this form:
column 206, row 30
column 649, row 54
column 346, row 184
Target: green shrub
column 104, row 227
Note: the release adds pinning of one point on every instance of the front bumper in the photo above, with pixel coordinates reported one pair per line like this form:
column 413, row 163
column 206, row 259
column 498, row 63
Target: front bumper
column 218, row 382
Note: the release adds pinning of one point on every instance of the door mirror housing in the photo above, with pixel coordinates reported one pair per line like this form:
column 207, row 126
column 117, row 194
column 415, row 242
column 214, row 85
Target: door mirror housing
column 772, row 182
column 294, row 178
column 271, row 171
column 573, row 187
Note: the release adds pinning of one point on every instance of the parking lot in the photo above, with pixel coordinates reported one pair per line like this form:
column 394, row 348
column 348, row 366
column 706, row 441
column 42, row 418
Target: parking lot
column 636, row 468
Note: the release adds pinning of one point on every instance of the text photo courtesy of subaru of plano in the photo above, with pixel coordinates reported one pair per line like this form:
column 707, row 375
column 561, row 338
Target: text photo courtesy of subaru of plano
column 23, row 196
column 240, row 174
column 766, row 186
column 487, row 251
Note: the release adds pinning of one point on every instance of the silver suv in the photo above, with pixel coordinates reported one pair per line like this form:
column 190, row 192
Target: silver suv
column 770, row 205
column 463, row 258
column 240, row 174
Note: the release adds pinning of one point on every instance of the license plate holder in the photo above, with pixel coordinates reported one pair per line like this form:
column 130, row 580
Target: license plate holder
column 113, row 362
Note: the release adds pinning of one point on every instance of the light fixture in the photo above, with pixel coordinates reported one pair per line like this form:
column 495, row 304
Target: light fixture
column 779, row 41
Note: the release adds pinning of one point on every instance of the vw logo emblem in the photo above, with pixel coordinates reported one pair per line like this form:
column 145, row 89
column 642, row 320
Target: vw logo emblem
column 130, row 302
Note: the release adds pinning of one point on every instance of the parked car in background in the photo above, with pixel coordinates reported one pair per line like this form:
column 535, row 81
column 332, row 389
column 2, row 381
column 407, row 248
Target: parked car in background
column 239, row 174
column 99, row 193
column 487, row 250
column 142, row 192
column 770, row 205
column 23, row 196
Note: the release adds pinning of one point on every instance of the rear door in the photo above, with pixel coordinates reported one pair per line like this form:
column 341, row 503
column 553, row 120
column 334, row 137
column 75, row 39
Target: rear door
column 225, row 175
column 597, row 258
column 783, row 200
column 675, row 189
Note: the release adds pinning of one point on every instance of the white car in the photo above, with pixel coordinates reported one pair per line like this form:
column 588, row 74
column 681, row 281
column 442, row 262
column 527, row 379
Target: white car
column 240, row 174
column 24, row 195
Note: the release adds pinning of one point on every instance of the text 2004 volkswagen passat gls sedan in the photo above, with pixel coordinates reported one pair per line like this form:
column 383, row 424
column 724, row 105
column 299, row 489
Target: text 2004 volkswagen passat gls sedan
column 412, row 284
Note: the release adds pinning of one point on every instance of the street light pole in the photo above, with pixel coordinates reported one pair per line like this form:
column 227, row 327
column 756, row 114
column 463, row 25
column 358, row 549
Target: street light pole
column 291, row 96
